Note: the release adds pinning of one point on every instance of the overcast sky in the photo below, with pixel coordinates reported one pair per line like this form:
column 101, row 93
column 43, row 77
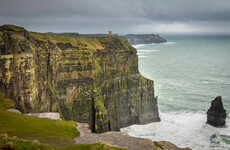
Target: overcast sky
column 120, row 16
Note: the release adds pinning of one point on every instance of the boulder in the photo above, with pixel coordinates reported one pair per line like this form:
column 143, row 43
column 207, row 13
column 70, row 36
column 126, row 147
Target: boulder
column 13, row 110
column 216, row 114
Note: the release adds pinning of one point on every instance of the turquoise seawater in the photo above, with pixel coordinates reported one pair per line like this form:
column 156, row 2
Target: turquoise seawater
column 189, row 71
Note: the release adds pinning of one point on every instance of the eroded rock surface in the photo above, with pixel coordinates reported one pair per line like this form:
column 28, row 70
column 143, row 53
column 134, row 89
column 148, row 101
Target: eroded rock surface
column 216, row 114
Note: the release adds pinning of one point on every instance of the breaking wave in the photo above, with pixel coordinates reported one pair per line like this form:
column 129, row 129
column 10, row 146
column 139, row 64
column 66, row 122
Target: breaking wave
column 184, row 129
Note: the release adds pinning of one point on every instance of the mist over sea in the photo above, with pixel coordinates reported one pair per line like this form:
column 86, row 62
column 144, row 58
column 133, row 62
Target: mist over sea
column 189, row 71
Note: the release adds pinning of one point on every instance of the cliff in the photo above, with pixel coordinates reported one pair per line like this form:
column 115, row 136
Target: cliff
column 144, row 38
column 93, row 80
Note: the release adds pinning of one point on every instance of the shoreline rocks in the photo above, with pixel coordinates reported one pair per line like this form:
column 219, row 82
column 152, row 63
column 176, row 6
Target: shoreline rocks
column 216, row 114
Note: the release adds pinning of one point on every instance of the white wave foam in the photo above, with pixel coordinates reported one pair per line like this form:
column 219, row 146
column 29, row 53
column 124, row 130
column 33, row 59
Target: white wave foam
column 147, row 50
column 165, row 43
column 142, row 56
column 138, row 45
column 141, row 45
column 169, row 43
column 140, row 53
column 182, row 129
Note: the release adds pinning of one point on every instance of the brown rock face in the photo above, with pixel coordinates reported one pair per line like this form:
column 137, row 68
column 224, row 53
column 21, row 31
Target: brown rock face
column 216, row 114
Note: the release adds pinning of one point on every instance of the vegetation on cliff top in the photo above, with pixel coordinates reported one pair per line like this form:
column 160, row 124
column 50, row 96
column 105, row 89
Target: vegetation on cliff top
column 79, row 43
column 12, row 27
column 82, row 43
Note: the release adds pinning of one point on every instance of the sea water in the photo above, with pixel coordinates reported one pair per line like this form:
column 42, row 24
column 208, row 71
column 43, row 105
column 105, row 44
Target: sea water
column 189, row 71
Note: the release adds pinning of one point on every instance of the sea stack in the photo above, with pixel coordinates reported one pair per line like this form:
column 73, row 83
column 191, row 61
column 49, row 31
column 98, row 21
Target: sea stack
column 216, row 114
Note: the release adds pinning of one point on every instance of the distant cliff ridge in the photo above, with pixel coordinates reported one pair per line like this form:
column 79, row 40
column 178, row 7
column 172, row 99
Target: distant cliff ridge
column 144, row 38
column 87, row 79
column 132, row 38
column 85, row 35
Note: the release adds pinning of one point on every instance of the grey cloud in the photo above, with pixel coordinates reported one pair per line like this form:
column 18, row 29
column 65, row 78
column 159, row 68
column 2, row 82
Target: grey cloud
column 150, row 9
column 99, row 15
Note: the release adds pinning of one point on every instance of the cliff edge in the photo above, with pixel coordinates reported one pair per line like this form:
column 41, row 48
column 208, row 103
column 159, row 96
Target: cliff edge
column 92, row 80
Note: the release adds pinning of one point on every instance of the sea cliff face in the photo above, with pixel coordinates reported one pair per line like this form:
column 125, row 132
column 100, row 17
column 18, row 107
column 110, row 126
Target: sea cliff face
column 144, row 38
column 92, row 80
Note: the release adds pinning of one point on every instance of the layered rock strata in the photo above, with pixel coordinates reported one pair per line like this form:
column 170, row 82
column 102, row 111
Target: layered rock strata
column 92, row 80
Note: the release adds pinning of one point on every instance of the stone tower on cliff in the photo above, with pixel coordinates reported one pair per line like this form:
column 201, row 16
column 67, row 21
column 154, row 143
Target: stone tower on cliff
column 110, row 33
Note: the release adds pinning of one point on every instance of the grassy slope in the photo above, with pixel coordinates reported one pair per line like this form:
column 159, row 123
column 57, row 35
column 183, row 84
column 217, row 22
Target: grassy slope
column 53, row 132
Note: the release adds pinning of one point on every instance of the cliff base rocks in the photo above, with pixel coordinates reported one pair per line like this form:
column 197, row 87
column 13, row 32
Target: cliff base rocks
column 121, row 139
column 216, row 114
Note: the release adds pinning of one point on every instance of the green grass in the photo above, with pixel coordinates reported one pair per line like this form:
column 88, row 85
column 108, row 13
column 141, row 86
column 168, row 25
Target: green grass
column 85, row 42
column 54, row 132
column 29, row 145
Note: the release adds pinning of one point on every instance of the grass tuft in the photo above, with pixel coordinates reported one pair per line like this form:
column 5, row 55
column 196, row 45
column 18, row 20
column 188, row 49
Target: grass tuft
column 157, row 144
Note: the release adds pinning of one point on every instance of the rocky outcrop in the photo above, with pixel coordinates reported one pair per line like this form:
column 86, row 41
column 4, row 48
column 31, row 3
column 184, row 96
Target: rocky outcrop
column 93, row 80
column 144, row 38
column 122, row 139
column 216, row 114
column 13, row 110
column 50, row 115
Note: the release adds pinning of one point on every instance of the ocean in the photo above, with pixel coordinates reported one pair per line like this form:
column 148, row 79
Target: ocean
column 189, row 71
